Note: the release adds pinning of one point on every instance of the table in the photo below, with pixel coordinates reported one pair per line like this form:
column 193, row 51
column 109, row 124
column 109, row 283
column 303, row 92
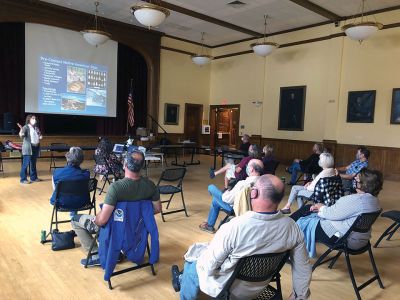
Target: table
column 193, row 147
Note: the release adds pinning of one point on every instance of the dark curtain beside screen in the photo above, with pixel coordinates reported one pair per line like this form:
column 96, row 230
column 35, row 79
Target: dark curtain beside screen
column 12, row 90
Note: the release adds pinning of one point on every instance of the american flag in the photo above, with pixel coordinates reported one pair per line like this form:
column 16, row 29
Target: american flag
column 131, row 113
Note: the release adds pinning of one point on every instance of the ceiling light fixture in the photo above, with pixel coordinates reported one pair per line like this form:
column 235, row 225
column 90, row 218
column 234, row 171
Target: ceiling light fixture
column 149, row 14
column 362, row 29
column 264, row 48
column 202, row 58
column 95, row 36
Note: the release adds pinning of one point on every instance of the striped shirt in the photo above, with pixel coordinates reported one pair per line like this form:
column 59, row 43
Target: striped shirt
column 338, row 218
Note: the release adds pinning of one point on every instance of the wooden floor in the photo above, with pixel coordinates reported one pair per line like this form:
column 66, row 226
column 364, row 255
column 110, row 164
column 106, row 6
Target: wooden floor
column 30, row 270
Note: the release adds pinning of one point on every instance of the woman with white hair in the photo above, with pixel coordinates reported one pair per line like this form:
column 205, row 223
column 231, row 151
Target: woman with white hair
column 326, row 162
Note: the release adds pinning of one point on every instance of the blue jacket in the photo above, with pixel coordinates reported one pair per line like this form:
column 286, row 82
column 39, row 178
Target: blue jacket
column 64, row 174
column 308, row 225
column 127, row 230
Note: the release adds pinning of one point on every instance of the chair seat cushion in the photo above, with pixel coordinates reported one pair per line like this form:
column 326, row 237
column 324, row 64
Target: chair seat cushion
column 392, row 214
column 168, row 189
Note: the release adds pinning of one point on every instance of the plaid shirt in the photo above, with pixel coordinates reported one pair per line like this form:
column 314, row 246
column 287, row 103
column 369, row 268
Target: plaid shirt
column 356, row 166
column 327, row 190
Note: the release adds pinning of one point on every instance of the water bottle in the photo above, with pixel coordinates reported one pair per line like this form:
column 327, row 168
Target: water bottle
column 43, row 236
column 283, row 178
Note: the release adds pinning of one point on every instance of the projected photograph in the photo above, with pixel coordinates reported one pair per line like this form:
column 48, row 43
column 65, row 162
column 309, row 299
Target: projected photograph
column 96, row 97
column 76, row 79
column 72, row 103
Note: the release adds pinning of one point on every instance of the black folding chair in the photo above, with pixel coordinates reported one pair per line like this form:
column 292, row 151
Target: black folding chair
column 394, row 215
column 100, row 160
column 327, row 191
column 172, row 175
column 362, row 224
column 258, row 268
column 56, row 148
column 72, row 188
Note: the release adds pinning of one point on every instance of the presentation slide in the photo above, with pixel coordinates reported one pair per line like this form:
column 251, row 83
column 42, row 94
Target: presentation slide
column 68, row 86
column 65, row 75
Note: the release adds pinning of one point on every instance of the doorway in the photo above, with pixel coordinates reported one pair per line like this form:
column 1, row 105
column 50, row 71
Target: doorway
column 193, row 122
column 224, row 125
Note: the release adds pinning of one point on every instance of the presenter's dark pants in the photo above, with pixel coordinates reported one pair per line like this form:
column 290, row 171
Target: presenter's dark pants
column 29, row 160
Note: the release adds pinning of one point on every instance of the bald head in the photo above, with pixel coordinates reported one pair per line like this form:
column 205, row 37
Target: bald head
column 270, row 191
column 256, row 167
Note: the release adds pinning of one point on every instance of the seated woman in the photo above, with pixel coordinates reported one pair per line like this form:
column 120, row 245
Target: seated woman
column 326, row 162
column 71, row 171
column 307, row 165
column 333, row 222
column 104, row 149
column 237, row 172
column 269, row 160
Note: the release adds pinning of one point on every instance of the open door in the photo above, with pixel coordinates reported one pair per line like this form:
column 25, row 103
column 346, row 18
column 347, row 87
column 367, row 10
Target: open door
column 224, row 125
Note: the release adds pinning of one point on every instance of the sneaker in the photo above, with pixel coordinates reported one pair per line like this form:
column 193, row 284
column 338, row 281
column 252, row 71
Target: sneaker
column 91, row 262
column 212, row 174
column 205, row 227
column 175, row 278
column 25, row 182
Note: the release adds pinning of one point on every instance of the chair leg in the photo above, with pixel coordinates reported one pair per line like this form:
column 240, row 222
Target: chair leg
column 109, row 285
column 320, row 259
column 104, row 184
column 353, row 280
column 51, row 224
column 371, row 257
column 90, row 254
column 169, row 201
column 394, row 230
column 385, row 233
column 278, row 286
column 151, row 266
column 183, row 202
column 335, row 259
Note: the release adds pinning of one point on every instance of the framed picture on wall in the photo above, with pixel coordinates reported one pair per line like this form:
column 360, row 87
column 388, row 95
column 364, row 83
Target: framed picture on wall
column 171, row 114
column 395, row 112
column 361, row 107
column 291, row 108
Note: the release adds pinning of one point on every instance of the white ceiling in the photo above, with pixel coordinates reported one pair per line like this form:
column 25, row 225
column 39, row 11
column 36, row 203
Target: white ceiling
column 283, row 15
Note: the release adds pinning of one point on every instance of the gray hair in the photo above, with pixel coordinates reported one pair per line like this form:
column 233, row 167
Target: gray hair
column 326, row 160
column 268, row 190
column 134, row 161
column 257, row 165
column 254, row 151
column 74, row 156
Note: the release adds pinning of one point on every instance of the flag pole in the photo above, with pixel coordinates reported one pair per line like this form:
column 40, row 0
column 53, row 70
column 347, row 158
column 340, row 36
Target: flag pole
column 127, row 117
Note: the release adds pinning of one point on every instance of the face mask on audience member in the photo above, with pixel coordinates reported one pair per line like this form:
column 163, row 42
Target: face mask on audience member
column 248, row 170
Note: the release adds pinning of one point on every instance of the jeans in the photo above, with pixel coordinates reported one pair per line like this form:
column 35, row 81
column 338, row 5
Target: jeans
column 81, row 224
column 296, row 192
column 189, row 282
column 216, row 204
column 293, row 169
column 29, row 160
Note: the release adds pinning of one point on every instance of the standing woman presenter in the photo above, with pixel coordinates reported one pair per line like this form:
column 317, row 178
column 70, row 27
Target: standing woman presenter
column 31, row 137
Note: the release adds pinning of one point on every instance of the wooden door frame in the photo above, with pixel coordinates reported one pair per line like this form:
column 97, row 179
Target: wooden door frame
column 201, row 119
column 227, row 106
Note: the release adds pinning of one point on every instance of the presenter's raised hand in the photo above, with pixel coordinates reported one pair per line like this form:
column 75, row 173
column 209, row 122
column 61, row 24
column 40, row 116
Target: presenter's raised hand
column 19, row 125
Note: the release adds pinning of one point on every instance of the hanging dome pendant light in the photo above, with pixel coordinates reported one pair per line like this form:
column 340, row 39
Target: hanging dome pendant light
column 149, row 14
column 96, row 36
column 264, row 48
column 201, row 59
column 362, row 29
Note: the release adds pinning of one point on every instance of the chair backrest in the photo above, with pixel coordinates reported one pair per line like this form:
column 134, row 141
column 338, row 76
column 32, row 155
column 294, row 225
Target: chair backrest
column 173, row 174
column 327, row 190
column 257, row 268
column 362, row 224
column 77, row 188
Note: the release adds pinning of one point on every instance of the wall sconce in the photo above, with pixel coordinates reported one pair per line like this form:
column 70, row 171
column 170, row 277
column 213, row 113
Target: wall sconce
column 257, row 103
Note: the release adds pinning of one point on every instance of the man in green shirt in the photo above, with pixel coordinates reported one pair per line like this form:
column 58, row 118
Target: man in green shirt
column 133, row 187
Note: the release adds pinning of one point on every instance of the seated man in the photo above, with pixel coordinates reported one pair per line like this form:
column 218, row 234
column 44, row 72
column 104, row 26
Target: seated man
column 237, row 172
column 260, row 231
column 133, row 187
column 309, row 165
column 244, row 146
column 71, row 171
column 348, row 173
column 225, row 200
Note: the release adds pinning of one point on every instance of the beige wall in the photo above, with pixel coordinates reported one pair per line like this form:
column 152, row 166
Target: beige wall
column 181, row 82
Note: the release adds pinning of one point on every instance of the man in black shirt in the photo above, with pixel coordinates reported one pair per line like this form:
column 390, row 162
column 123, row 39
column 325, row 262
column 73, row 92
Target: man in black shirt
column 244, row 146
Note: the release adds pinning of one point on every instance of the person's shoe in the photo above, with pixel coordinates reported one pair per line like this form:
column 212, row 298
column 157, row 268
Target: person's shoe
column 175, row 278
column 286, row 211
column 36, row 180
column 91, row 262
column 212, row 174
column 25, row 182
column 205, row 227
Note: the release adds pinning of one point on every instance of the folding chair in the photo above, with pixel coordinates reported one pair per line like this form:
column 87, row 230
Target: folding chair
column 327, row 190
column 362, row 224
column 72, row 188
column 101, row 161
column 394, row 215
column 172, row 175
column 56, row 148
column 257, row 268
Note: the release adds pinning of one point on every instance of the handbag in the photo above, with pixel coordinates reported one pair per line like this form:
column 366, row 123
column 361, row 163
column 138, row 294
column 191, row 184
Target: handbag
column 62, row 240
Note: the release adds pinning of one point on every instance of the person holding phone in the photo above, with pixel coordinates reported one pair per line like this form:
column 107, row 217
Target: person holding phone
column 31, row 137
